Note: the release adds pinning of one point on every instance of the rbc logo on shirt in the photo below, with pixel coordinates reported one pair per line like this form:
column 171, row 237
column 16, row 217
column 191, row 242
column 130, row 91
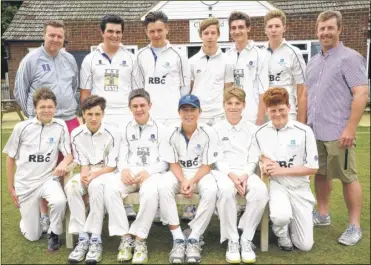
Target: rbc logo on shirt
column 157, row 80
column 39, row 158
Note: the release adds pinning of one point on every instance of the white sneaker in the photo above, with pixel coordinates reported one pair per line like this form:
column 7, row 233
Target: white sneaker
column 285, row 243
column 45, row 223
column 78, row 254
column 130, row 213
column 95, row 253
column 125, row 249
column 247, row 251
column 140, row 252
column 233, row 252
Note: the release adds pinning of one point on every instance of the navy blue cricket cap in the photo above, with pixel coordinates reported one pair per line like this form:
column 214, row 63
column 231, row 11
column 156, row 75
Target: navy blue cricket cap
column 189, row 99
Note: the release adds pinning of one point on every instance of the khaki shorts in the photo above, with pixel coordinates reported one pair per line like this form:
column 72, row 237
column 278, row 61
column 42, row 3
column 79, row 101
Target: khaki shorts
column 335, row 162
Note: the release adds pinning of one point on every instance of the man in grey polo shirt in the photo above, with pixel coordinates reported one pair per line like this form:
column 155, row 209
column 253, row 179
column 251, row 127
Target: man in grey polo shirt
column 337, row 95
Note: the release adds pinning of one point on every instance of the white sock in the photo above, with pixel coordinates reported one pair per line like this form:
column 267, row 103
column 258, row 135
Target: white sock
column 96, row 238
column 83, row 236
column 177, row 233
column 194, row 236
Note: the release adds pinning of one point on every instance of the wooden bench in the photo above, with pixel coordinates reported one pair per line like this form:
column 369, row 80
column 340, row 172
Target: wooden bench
column 133, row 198
column 8, row 102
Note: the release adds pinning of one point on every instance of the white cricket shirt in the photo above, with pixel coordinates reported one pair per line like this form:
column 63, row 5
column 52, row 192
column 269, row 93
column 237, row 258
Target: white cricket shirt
column 290, row 146
column 209, row 77
column 250, row 74
column 202, row 148
column 235, row 142
column 111, row 79
column 35, row 147
column 286, row 69
column 163, row 75
column 100, row 148
column 140, row 146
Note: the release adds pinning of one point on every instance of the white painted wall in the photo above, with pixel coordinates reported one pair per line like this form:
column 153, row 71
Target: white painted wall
column 221, row 9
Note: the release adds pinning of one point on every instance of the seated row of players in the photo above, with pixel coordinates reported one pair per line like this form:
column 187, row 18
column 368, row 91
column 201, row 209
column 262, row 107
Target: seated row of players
column 187, row 158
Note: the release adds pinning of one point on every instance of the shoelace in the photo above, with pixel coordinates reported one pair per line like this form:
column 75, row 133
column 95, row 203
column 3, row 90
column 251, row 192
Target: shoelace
column 233, row 247
column 94, row 247
column 247, row 246
column 140, row 246
column 80, row 246
column 192, row 246
column 178, row 248
column 128, row 242
column 350, row 230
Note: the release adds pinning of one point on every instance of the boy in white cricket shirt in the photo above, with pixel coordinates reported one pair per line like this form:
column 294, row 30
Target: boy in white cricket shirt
column 289, row 154
column 95, row 148
column 286, row 65
column 211, row 71
column 234, row 176
column 139, row 169
column 251, row 69
column 33, row 147
column 109, row 72
column 191, row 148
column 162, row 70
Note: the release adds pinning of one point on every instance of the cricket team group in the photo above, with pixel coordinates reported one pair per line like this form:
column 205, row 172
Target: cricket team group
column 159, row 124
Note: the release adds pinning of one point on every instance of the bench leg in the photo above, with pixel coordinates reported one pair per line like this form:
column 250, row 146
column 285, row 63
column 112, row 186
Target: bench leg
column 264, row 230
column 18, row 110
column 69, row 237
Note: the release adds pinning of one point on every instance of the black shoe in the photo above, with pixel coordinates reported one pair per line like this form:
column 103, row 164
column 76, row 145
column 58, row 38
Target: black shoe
column 53, row 242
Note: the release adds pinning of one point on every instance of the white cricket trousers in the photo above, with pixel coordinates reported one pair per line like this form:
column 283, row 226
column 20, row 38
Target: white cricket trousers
column 75, row 190
column 52, row 191
column 207, row 189
column 118, row 224
column 256, row 200
column 291, row 208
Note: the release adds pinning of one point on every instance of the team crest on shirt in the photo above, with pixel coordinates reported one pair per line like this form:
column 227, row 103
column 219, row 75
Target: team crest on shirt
column 198, row 71
column 251, row 64
column 225, row 138
column 50, row 140
column 152, row 138
column 166, row 65
column 281, row 62
column 292, row 144
column 198, row 149
column 133, row 138
column 46, row 67
column 123, row 63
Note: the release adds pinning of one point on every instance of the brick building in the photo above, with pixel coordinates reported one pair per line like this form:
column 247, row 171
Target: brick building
column 82, row 24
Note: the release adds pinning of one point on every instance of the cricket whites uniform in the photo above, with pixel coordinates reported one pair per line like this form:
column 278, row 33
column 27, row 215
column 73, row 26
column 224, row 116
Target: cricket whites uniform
column 250, row 74
column 290, row 198
column 286, row 67
column 202, row 149
column 235, row 141
column 139, row 151
column 112, row 79
column 209, row 74
column 96, row 151
column 163, row 73
column 35, row 147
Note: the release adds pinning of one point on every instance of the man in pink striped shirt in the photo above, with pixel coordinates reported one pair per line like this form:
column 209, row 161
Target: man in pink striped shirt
column 336, row 81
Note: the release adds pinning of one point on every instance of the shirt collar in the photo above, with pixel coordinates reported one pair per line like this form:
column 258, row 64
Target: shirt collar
column 202, row 54
column 46, row 53
column 333, row 50
column 150, row 122
column 289, row 124
column 100, row 47
column 36, row 121
column 100, row 130
column 284, row 42
column 237, row 127
column 249, row 46
column 167, row 46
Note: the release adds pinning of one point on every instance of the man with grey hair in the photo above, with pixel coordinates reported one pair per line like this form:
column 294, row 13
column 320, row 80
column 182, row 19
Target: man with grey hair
column 336, row 81
column 49, row 66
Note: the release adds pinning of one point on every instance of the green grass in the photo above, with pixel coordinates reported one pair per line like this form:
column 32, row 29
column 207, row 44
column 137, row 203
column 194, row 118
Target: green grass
column 16, row 249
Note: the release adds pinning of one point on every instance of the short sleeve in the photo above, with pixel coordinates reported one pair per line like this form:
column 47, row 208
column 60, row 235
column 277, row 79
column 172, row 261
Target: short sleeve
column 64, row 141
column 353, row 68
column 311, row 156
column 168, row 151
column 12, row 146
column 212, row 150
column 86, row 73
column 298, row 67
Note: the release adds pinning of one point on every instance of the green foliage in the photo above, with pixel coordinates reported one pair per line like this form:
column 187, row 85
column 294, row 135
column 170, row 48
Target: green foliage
column 8, row 10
